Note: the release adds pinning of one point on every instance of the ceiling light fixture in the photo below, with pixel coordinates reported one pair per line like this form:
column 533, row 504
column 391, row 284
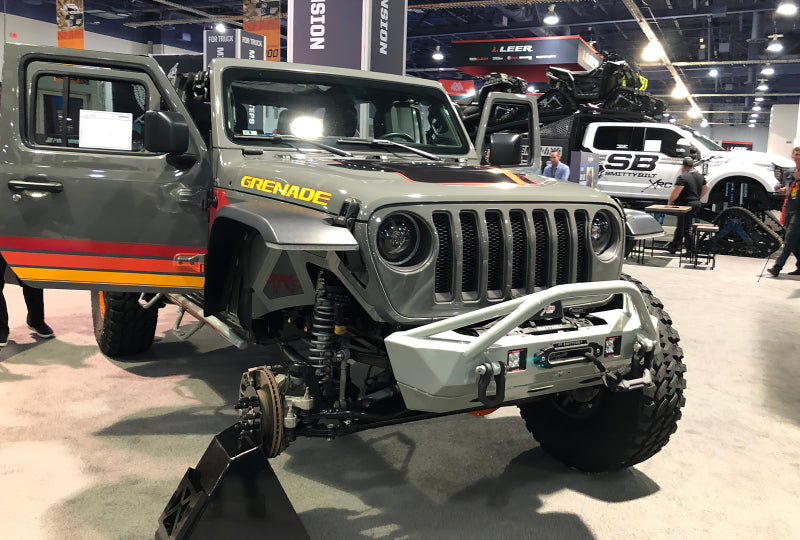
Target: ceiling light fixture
column 754, row 115
column 713, row 72
column 531, row 90
column 786, row 8
column 694, row 112
column 756, row 107
column 437, row 54
column 550, row 17
column 762, row 86
column 775, row 46
column 672, row 120
column 768, row 70
column 219, row 27
column 680, row 91
column 704, row 123
column 652, row 52
column 759, row 98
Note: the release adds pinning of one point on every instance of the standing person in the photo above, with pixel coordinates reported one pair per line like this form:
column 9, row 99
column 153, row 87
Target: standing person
column 34, row 299
column 556, row 169
column 790, row 217
column 689, row 188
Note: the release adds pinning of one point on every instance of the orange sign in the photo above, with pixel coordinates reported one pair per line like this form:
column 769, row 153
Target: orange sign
column 263, row 18
column 69, row 20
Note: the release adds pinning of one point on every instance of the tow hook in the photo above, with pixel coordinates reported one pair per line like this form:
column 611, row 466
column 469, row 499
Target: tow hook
column 614, row 380
column 486, row 372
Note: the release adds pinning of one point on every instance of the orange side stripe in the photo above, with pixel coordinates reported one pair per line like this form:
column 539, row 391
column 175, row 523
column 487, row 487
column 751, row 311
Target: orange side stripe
column 98, row 263
column 118, row 278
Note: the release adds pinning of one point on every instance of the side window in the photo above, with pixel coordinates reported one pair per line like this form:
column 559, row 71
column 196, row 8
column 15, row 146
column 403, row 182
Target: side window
column 661, row 140
column 89, row 113
column 614, row 138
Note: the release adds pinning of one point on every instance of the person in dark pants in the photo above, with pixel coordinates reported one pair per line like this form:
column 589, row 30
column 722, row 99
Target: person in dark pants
column 790, row 218
column 689, row 188
column 34, row 299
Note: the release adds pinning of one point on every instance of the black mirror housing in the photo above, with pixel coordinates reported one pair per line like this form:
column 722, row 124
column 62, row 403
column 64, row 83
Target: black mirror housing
column 165, row 132
column 505, row 149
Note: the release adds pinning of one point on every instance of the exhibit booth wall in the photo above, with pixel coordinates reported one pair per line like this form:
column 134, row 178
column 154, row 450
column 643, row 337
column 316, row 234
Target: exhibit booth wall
column 784, row 133
column 37, row 32
column 723, row 132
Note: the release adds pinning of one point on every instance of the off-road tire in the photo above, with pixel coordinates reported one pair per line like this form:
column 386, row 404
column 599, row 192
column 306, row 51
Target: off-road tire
column 616, row 429
column 121, row 326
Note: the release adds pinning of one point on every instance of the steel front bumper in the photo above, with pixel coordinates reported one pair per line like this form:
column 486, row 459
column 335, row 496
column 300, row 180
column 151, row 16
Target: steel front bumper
column 441, row 370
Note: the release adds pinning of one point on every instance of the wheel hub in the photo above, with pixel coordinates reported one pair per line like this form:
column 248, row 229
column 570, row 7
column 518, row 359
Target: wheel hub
column 261, row 410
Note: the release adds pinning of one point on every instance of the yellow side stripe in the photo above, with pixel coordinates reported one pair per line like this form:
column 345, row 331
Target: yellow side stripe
column 119, row 278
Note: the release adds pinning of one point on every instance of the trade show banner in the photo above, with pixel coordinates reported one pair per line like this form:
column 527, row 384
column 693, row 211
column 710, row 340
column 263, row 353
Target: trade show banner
column 523, row 57
column 218, row 45
column 326, row 33
column 69, row 22
column 250, row 45
column 737, row 146
column 262, row 17
column 388, row 36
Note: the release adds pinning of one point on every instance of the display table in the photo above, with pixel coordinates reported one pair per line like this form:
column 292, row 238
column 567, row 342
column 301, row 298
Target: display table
column 670, row 210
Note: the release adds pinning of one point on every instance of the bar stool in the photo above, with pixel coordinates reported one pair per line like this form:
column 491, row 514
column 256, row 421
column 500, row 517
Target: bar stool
column 703, row 232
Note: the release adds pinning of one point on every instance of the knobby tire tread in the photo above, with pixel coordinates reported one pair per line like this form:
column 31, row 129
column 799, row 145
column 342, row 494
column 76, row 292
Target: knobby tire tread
column 125, row 328
column 627, row 427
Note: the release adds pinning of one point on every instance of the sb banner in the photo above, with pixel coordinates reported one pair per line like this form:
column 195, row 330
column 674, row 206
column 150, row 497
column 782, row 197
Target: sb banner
column 263, row 17
column 69, row 20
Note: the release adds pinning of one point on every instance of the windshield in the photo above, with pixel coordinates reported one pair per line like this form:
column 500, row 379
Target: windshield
column 705, row 141
column 261, row 103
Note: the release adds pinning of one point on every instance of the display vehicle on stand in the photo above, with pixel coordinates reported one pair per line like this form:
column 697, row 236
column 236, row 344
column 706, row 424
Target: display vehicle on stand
column 343, row 216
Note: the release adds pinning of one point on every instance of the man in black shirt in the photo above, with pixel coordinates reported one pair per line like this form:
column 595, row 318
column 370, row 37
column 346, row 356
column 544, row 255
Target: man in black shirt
column 689, row 188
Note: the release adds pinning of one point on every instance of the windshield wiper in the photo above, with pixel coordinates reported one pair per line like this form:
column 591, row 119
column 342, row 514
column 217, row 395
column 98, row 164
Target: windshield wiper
column 293, row 139
column 386, row 142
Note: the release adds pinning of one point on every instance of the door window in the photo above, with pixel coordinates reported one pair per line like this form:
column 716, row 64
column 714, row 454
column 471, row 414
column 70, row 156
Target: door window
column 89, row 113
column 619, row 138
column 661, row 140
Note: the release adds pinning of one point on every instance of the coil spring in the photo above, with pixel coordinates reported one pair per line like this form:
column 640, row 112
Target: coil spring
column 322, row 328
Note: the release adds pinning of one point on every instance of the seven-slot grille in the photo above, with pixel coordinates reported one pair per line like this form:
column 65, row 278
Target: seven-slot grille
column 498, row 253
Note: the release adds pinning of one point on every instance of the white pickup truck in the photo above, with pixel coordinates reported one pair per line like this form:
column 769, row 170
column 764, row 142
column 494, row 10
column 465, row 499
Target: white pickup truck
column 642, row 161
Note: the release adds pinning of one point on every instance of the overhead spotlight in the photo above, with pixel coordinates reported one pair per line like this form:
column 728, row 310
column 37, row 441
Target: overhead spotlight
column 756, row 107
column 754, row 115
column 550, row 17
column 786, row 8
column 768, row 70
column 437, row 54
column 762, row 86
column 672, row 120
column 713, row 72
column 751, row 125
column 531, row 90
column 219, row 27
column 652, row 52
column 680, row 91
column 704, row 123
column 759, row 98
column 694, row 112
column 775, row 45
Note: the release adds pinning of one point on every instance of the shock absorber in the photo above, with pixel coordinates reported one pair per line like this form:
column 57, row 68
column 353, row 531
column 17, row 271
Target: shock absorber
column 322, row 329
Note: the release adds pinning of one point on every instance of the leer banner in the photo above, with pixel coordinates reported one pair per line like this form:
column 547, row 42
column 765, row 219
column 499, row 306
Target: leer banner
column 262, row 17
column 69, row 23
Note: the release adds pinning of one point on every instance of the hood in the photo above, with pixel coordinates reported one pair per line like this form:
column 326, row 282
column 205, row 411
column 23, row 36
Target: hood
column 325, row 183
column 754, row 159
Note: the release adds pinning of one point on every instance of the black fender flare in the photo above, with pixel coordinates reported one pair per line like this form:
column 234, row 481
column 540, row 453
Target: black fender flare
column 282, row 226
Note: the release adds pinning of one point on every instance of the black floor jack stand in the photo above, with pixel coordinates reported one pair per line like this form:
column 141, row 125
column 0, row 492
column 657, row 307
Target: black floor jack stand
column 231, row 493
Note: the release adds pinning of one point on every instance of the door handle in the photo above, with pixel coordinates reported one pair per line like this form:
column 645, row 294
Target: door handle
column 35, row 184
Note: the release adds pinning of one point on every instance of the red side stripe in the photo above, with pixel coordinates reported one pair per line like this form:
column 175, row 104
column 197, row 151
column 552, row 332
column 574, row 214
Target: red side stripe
column 18, row 258
column 89, row 246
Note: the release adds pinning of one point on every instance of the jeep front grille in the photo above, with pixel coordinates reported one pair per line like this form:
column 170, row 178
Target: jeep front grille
column 504, row 253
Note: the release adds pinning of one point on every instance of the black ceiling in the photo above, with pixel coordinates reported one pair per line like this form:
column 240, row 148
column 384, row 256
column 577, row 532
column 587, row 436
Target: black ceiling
column 730, row 36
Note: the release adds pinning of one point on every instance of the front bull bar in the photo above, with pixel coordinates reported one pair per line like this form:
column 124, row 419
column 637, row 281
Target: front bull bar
column 435, row 351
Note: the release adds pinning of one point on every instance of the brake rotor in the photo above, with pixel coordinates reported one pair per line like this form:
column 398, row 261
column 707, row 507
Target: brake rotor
column 261, row 410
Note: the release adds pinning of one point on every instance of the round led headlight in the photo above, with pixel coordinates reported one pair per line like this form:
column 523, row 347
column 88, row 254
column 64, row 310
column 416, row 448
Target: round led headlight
column 398, row 238
column 602, row 232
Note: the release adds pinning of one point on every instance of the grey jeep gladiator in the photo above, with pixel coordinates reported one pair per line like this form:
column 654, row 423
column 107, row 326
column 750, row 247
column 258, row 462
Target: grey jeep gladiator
column 343, row 217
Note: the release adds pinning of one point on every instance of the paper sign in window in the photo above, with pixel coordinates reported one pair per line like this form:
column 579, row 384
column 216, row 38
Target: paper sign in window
column 653, row 145
column 106, row 130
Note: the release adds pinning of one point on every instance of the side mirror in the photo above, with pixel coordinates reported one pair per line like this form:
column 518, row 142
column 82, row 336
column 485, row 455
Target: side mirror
column 165, row 132
column 683, row 148
column 505, row 149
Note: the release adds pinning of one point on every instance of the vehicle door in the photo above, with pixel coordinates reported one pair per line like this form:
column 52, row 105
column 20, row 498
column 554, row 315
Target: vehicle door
column 83, row 203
